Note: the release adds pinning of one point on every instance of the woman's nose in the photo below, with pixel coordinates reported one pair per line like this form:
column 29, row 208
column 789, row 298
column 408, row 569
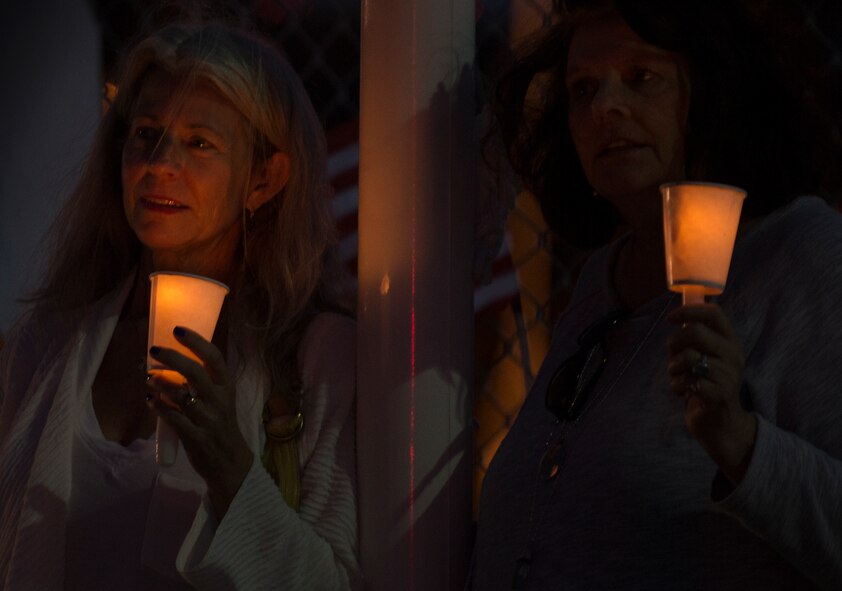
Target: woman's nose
column 610, row 100
column 165, row 156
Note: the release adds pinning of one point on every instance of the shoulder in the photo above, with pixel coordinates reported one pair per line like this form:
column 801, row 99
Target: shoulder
column 786, row 275
column 818, row 230
column 806, row 226
column 332, row 325
column 799, row 244
column 594, row 293
column 31, row 340
column 30, row 352
column 38, row 341
column 41, row 332
column 328, row 364
column 328, row 333
column 328, row 349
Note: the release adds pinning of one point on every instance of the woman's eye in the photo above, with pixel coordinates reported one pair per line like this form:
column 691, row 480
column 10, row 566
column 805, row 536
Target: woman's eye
column 200, row 143
column 579, row 89
column 642, row 75
column 147, row 133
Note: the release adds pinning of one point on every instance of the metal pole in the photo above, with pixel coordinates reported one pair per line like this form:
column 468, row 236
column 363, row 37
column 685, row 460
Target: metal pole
column 417, row 171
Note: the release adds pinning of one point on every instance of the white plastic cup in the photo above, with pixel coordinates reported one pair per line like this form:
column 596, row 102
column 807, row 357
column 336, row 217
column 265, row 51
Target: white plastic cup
column 700, row 227
column 178, row 299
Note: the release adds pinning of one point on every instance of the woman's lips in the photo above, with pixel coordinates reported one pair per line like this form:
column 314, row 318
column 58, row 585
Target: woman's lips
column 161, row 204
column 619, row 148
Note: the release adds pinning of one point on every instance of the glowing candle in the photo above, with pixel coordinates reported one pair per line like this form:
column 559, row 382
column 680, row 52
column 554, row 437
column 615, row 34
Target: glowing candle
column 700, row 226
column 178, row 299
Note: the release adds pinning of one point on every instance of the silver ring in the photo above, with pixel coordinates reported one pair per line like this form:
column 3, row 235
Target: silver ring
column 190, row 397
column 702, row 368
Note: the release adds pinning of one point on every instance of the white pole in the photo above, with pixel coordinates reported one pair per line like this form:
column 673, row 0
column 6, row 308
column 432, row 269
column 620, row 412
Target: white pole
column 417, row 177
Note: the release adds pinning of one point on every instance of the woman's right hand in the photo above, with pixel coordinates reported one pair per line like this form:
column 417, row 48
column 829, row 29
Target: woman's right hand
column 204, row 415
column 706, row 367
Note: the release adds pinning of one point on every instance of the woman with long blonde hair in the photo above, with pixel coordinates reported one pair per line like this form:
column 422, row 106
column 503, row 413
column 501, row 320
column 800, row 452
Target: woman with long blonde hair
column 210, row 162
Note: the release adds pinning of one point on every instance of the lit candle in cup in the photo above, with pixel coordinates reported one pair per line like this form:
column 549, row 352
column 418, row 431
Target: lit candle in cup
column 700, row 226
column 178, row 299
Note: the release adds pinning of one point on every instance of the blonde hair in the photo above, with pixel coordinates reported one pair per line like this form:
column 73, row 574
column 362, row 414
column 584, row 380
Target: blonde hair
column 288, row 264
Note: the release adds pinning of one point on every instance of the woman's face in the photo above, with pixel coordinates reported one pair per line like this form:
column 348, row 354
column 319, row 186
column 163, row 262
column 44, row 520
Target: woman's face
column 628, row 111
column 185, row 170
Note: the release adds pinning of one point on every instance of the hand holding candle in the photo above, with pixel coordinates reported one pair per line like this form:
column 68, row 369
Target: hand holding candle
column 178, row 299
column 700, row 226
column 706, row 359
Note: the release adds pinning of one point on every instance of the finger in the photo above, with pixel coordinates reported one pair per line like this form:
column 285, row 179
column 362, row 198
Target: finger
column 192, row 371
column 179, row 396
column 699, row 337
column 166, row 387
column 184, row 427
column 186, row 400
column 696, row 364
column 711, row 315
column 210, row 355
column 696, row 340
column 678, row 385
column 685, row 386
column 702, row 390
column 157, row 385
column 684, row 362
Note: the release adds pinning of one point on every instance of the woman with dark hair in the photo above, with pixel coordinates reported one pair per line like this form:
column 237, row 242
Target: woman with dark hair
column 666, row 446
column 210, row 162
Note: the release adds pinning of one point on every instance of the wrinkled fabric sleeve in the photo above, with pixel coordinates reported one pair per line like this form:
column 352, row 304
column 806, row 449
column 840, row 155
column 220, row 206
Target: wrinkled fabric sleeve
column 19, row 360
column 261, row 543
column 791, row 498
column 791, row 495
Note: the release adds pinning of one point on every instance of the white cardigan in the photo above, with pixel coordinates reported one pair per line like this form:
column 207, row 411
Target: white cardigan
column 260, row 543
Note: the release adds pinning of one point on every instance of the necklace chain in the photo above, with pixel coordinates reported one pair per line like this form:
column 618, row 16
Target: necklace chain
column 523, row 563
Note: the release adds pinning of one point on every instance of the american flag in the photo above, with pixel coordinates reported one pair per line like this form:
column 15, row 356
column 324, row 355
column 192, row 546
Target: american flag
column 343, row 172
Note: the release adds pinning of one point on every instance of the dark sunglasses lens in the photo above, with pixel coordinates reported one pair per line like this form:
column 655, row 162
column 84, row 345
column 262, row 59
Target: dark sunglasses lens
column 587, row 380
column 562, row 389
column 573, row 381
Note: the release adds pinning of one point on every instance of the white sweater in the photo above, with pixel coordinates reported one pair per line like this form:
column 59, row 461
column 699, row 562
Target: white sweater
column 260, row 543
column 632, row 505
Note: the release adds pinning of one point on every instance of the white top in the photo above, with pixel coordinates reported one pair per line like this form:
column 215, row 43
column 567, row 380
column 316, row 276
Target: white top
column 261, row 543
column 111, row 489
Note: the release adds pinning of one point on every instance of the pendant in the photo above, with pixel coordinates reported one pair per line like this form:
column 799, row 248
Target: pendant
column 551, row 460
column 521, row 571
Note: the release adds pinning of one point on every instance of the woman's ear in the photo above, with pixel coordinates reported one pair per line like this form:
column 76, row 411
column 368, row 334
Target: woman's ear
column 267, row 180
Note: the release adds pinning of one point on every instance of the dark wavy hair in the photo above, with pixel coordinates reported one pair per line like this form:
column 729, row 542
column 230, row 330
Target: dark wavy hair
column 757, row 117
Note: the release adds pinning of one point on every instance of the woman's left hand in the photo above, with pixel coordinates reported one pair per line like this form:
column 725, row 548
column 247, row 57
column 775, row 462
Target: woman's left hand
column 204, row 415
column 706, row 367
